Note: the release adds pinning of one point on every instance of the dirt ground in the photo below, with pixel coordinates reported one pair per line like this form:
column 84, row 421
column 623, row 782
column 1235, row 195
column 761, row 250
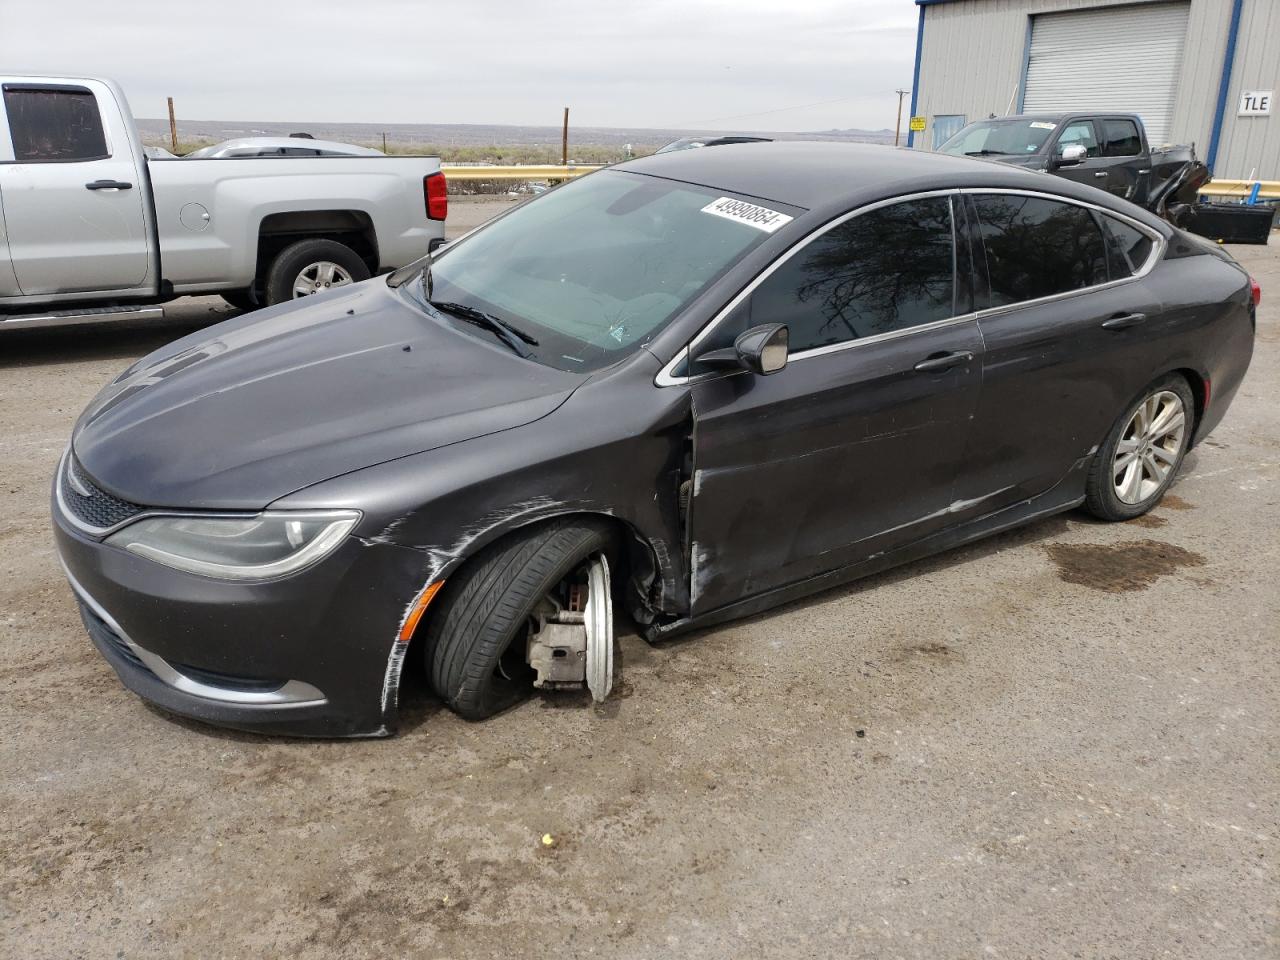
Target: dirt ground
column 1060, row 742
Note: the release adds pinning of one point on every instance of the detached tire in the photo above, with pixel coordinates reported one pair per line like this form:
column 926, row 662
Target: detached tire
column 1142, row 454
column 312, row 266
column 485, row 610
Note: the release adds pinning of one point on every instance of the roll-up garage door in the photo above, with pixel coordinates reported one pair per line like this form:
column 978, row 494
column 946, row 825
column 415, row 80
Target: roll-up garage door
column 1110, row 58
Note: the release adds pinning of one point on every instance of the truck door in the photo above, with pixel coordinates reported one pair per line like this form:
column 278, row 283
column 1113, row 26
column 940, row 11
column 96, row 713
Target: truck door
column 1128, row 170
column 1115, row 171
column 73, row 200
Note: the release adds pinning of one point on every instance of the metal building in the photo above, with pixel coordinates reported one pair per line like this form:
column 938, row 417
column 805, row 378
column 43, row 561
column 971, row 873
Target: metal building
column 1197, row 71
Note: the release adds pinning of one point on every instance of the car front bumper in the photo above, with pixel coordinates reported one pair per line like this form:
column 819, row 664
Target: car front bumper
column 313, row 654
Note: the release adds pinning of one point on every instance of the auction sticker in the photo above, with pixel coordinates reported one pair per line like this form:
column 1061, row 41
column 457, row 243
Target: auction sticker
column 1042, row 124
column 762, row 218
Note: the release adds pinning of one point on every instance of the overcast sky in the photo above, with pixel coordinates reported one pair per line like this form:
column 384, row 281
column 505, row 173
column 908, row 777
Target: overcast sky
column 714, row 64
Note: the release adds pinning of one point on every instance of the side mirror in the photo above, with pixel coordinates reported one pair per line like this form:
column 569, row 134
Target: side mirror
column 1072, row 154
column 762, row 350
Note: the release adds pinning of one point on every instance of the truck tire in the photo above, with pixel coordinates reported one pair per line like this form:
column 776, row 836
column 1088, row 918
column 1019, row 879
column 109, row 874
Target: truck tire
column 486, row 607
column 312, row 266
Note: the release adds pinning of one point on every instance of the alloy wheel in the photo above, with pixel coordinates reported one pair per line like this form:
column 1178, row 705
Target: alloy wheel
column 1149, row 447
column 318, row 277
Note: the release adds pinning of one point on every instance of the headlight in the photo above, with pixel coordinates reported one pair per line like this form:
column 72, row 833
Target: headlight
column 238, row 548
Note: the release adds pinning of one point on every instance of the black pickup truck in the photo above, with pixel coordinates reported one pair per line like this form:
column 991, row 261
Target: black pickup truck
column 1105, row 150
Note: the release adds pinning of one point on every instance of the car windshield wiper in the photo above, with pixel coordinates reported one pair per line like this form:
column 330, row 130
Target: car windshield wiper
column 986, row 153
column 512, row 336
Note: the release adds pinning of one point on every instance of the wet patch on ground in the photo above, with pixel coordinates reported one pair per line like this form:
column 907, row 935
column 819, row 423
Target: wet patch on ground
column 1116, row 568
column 1174, row 502
column 1148, row 520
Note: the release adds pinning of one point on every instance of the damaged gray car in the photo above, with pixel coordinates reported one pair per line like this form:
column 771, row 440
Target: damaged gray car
column 689, row 388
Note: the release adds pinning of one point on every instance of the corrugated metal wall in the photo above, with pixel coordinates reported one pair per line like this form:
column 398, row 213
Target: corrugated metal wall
column 1253, row 143
column 1109, row 58
column 972, row 63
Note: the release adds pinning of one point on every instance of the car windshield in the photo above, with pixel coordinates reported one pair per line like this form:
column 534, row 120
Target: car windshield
column 999, row 138
column 594, row 269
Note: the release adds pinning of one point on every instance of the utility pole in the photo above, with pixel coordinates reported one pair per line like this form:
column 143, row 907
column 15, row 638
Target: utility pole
column 564, row 140
column 173, row 127
column 384, row 142
column 897, row 130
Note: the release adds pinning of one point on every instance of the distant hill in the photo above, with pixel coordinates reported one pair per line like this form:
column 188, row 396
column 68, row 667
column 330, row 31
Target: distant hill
column 460, row 134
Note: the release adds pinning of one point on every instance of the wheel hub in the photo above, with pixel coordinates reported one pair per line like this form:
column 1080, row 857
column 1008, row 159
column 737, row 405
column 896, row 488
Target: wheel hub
column 1149, row 447
column 318, row 277
column 570, row 642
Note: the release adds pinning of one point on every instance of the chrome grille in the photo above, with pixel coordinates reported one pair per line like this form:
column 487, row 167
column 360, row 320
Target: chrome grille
column 89, row 503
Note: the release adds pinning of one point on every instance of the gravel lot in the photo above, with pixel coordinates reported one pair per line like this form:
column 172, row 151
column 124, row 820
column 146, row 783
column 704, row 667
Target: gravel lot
column 1060, row 742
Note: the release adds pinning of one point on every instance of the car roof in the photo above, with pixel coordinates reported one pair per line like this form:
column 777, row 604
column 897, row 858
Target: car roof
column 828, row 176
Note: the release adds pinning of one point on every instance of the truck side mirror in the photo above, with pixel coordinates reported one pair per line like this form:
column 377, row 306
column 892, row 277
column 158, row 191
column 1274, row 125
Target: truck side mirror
column 1071, row 155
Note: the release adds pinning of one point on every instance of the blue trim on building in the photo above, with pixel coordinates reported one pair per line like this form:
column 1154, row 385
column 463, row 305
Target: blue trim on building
column 915, row 76
column 1224, row 87
column 1026, row 63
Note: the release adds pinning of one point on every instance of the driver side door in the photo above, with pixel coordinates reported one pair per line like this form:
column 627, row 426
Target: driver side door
column 853, row 447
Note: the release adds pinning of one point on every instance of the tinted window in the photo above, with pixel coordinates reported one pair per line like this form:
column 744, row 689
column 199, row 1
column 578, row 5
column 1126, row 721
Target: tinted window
column 1080, row 132
column 882, row 271
column 54, row 125
column 1036, row 247
column 1129, row 248
column 1120, row 138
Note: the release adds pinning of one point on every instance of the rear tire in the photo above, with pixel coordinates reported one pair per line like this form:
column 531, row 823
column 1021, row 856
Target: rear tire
column 336, row 260
column 1141, row 455
column 485, row 609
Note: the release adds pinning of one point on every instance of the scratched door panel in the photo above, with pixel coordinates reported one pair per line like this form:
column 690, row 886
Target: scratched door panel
column 837, row 457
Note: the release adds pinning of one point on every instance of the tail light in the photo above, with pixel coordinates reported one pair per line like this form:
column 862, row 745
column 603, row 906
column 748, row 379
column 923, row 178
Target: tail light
column 1255, row 291
column 436, row 191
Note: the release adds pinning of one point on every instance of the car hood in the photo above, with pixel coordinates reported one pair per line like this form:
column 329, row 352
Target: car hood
column 245, row 412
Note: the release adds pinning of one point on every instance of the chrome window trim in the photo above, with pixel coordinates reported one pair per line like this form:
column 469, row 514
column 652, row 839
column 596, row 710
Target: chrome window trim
column 665, row 377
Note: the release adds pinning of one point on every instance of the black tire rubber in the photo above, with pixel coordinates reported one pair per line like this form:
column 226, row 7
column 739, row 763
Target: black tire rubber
column 486, row 606
column 244, row 300
column 1100, row 494
column 290, row 261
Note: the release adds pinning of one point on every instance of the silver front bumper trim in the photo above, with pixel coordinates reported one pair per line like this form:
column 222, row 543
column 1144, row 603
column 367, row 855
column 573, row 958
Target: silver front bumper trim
column 294, row 693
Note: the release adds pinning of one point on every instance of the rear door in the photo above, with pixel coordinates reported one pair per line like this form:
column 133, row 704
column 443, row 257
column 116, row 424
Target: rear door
column 853, row 447
column 73, row 202
column 1067, row 330
column 1129, row 173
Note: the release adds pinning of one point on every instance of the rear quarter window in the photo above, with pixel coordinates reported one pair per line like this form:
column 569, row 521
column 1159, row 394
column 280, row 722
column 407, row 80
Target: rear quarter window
column 1128, row 248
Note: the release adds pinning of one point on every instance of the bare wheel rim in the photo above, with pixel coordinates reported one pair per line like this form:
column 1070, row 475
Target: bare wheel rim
column 1149, row 447
column 318, row 277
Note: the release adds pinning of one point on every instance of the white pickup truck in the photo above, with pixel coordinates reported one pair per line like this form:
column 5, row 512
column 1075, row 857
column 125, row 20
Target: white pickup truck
column 91, row 229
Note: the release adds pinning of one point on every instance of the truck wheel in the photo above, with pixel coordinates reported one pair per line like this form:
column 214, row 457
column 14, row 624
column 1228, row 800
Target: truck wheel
column 312, row 266
column 475, row 649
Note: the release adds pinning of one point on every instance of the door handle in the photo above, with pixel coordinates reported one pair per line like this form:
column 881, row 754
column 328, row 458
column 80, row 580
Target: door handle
column 943, row 361
column 1123, row 321
column 108, row 185
column 1102, row 173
